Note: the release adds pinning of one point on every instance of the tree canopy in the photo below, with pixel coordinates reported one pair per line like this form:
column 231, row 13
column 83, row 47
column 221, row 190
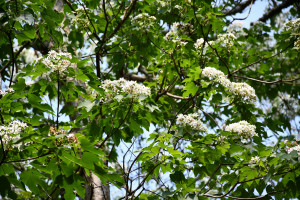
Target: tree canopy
column 145, row 99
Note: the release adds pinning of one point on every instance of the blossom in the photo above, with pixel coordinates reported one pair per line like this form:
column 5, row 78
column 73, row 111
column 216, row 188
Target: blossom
column 176, row 30
column 192, row 121
column 293, row 25
column 144, row 20
column 295, row 148
column 178, row 7
column 235, row 26
column 12, row 131
column 243, row 129
column 226, row 39
column 199, row 43
column 58, row 61
column 116, row 87
column 221, row 139
column 242, row 89
column 254, row 160
column 9, row 90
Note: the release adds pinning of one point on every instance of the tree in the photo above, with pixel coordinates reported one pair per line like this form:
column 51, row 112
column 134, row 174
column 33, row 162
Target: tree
column 149, row 99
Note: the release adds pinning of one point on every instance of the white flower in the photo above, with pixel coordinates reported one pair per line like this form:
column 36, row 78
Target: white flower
column 254, row 160
column 176, row 30
column 226, row 39
column 221, row 139
column 192, row 121
column 9, row 90
column 12, row 131
column 295, row 148
column 58, row 61
column 3, row 93
column 116, row 87
column 235, row 26
column 178, row 7
column 144, row 20
column 199, row 43
column 293, row 25
column 242, row 89
column 243, row 129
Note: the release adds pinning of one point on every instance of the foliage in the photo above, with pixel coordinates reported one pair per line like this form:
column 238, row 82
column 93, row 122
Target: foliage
column 157, row 99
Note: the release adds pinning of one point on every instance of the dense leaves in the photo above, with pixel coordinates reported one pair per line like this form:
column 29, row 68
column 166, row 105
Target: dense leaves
column 148, row 100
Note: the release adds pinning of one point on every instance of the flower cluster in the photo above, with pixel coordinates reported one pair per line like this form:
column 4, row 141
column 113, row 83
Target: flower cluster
column 58, row 61
column 243, row 128
column 295, row 148
column 221, row 139
column 116, row 87
column 177, row 30
column 226, row 39
column 191, row 120
column 235, row 27
column 79, row 18
column 199, row 43
column 3, row 93
column 12, row 131
column 144, row 20
column 293, row 25
column 254, row 160
column 178, row 7
column 242, row 89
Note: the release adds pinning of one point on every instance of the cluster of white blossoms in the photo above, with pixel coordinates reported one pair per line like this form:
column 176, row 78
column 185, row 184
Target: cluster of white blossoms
column 113, row 88
column 193, row 120
column 221, row 139
column 294, row 27
column 199, row 43
column 254, row 160
column 144, row 20
column 235, row 26
column 295, row 148
column 79, row 18
column 12, row 131
column 178, row 7
column 3, row 93
column 176, row 30
column 242, row 89
column 58, row 61
column 226, row 39
column 243, row 129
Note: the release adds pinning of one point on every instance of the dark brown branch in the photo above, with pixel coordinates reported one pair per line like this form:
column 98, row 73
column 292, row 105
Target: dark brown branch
column 111, row 133
column 16, row 55
column 26, row 159
column 246, row 198
column 135, row 77
column 276, row 10
column 263, row 59
column 267, row 82
column 127, row 13
column 98, row 65
column 239, row 8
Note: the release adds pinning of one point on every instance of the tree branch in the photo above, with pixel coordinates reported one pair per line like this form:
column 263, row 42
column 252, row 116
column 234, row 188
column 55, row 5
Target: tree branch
column 267, row 82
column 15, row 56
column 238, row 9
column 274, row 11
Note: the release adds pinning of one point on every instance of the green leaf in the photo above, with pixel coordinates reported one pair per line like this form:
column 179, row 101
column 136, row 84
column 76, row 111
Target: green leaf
column 177, row 177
